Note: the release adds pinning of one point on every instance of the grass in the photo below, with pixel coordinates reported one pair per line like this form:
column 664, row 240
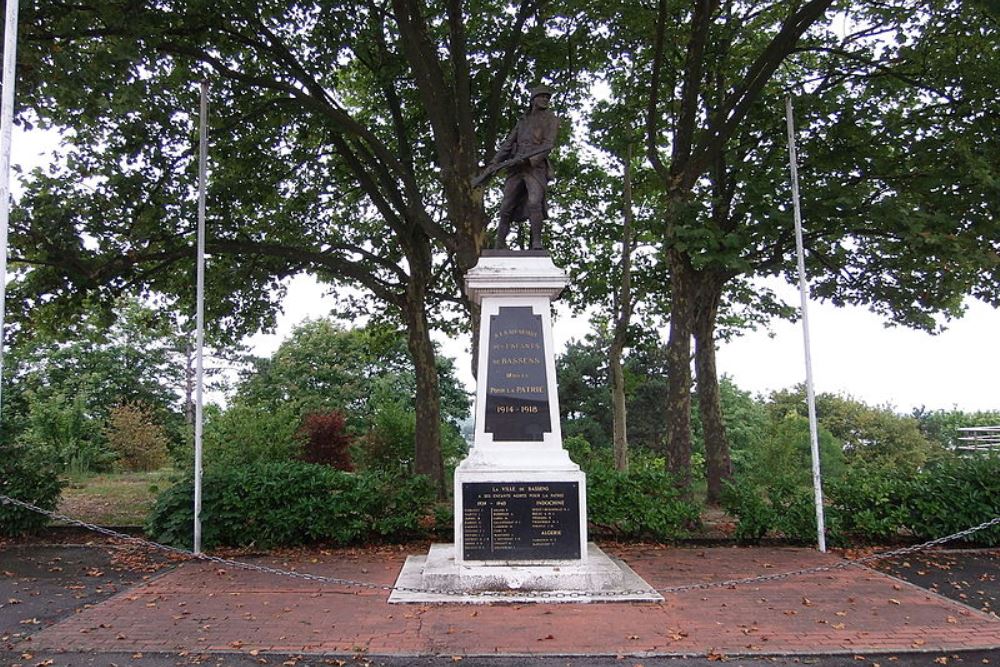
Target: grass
column 113, row 499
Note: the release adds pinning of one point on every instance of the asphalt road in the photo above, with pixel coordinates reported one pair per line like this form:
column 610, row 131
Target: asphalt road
column 39, row 585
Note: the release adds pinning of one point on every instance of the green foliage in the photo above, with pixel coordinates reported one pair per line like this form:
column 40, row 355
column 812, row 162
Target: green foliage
column 389, row 443
column 942, row 426
column 80, row 370
column 642, row 503
column 786, row 451
column 784, row 508
column 247, row 435
column 875, row 435
column 289, row 503
column 954, row 494
column 30, row 475
column 134, row 436
column 60, row 426
column 872, row 502
column 585, row 393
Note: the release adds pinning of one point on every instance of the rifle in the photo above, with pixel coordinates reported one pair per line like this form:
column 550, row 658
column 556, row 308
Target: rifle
column 497, row 166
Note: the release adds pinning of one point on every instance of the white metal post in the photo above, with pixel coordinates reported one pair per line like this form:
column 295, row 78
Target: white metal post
column 804, row 295
column 200, row 312
column 6, row 130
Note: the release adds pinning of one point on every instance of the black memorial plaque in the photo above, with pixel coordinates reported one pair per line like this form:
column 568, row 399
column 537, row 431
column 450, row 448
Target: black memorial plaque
column 517, row 393
column 521, row 521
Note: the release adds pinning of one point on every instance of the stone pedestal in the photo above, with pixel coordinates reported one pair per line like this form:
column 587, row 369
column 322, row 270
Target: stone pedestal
column 520, row 501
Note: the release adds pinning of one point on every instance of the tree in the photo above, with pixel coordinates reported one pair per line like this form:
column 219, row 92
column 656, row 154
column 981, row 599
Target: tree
column 134, row 435
column 320, row 373
column 324, row 366
column 894, row 222
column 346, row 138
column 869, row 434
column 89, row 367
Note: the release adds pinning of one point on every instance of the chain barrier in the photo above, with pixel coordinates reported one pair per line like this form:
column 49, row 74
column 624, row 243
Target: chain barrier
column 569, row 595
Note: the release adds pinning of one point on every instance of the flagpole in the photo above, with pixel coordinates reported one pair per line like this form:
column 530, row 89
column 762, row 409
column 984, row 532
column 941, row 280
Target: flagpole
column 200, row 313
column 6, row 130
column 804, row 297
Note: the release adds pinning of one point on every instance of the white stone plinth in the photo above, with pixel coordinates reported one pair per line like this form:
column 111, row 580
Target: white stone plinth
column 517, row 281
column 469, row 475
column 525, row 529
column 437, row 577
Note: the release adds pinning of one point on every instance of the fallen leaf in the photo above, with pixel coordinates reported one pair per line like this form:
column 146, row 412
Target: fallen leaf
column 838, row 626
column 943, row 660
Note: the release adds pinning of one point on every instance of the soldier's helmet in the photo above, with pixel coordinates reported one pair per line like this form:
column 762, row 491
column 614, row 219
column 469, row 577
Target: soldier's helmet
column 541, row 90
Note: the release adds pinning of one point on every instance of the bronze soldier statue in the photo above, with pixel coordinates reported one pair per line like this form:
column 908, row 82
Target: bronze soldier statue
column 524, row 154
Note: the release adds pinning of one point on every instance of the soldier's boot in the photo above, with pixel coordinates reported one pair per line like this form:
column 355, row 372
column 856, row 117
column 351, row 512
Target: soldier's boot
column 503, row 229
column 536, row 231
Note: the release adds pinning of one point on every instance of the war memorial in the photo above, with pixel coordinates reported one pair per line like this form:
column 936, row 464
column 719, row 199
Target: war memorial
column 520, row 501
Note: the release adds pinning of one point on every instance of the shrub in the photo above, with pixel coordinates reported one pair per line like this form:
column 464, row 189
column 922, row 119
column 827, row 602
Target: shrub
column 787, row 450
column 955, row 494
column 288, row 503
column 246, row 435
column 641, row 503
column 71, row 438
column 133, row 434
column 871, row 502
column 325, row 439
column 875, row 503
column 29, row 475
column 783, row 508
column 389, row 444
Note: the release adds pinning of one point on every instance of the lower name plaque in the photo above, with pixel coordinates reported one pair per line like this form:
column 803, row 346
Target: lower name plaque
column 520, row 521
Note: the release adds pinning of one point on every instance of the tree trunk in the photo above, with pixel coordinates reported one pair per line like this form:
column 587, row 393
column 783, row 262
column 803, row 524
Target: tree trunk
column 427, row 402
column 619, row 415
column 678, row 409
column 718, row 464
column 623, row 314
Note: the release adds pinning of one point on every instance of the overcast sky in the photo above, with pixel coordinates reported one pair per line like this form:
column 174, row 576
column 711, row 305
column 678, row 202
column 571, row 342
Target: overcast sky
column 853, row 352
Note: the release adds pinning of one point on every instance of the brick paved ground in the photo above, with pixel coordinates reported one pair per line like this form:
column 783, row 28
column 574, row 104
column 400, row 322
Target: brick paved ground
column 200, row 607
